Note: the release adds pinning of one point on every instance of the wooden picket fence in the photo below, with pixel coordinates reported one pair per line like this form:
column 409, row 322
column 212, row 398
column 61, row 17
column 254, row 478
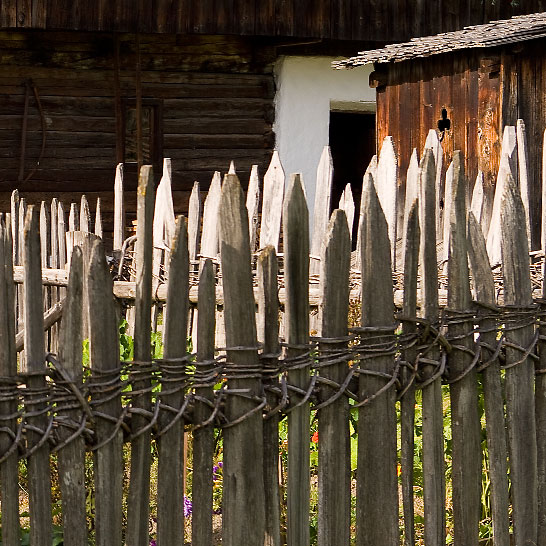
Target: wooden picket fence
column 406, row 340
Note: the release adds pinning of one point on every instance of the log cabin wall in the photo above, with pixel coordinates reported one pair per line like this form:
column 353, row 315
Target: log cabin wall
column 374, row 20
column 210, row 97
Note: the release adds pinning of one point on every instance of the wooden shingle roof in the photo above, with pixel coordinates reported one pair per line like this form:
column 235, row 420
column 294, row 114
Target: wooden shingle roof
column 516, row 29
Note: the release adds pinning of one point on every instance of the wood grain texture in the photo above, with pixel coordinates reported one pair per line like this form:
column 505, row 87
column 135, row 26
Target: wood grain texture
column 104, row 356
column 296, row 267
column 243, row 495
column 519, row 382
column 38, row 469
column 138, row 504
column 203, row 438
column 72, row 456
column 170, row 479
column 268, row 334
column 465, row 424
column 484, row 286
column 334, row 470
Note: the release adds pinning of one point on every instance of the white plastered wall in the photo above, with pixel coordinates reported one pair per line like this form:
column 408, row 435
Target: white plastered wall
column 305, row 88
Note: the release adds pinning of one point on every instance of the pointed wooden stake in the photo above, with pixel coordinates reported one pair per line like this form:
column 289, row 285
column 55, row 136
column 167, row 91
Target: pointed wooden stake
column 85, row 215
column 119, row 210
column 98, row 220
column 209, row 237
column 252, row 205
column 272, row 203
column 347, row 205
column 194, row 220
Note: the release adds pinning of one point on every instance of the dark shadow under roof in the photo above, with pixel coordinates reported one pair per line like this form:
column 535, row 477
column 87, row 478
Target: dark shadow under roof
column 516, row 29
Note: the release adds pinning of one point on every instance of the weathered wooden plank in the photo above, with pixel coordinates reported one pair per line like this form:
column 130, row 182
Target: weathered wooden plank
column 386, row 185
column 72, row 456
column 507, row 165
column 465, row 419
column 203, row 438
column 243, row 495
column 9, row 487
column 170, row 484
column 34, row 363
column 377, row 493
column 433, row 443
column 433, row 142
column 54, row 263
column 272, row 205
column 321, row 209
column 73, row 218
column 347, row 204
column 45, row 241
column 15, row 224
column 85, row 215
column 543, row 224
column 477, row 201
column 209, row 235
column 372, row 170
column 61, row 234
column 519, row 382
column 194, row 220
column 138, row 503
column 524, row 174
column 119, row 209
column 412, row 193
column 252, row 205
column 334, row 471
column 448, row 204
column 407, row 402
column 98, row 219
column 296, row 276
column 268, row 334
column 484, row 286
column 104, row 356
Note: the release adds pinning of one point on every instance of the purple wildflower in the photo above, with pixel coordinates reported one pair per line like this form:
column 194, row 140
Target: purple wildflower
column 187, row 507
column 216, row 470
column 153, row 542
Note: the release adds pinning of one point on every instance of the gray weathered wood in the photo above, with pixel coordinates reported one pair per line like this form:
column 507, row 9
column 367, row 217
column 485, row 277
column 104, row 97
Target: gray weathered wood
column 209, row 235
column 386, row 185
column 465, row 419
column 73, row 218
column 540, row 388
column 506, row 166
column 296, row 277
column 51, row 317
column 98, row 220
column 412, row 193
column 39, row 481
column 543, row 222
column 519, row 382
column 194, row 219
column 484, row 286
column 54, row 263
column 61, row 234
column 376, row 489
column 15, row 225
column 252, row 205
column 268, row 334
column 407, row 402
column 372, row 170
column 138, row 503
column 119, row 209
column 203, row 438
column 272, row 205
column 321, row 209
column 72, row 456
column 231, row 169
column 446, row 234
column 477, row 201
column 170, row 485
column 85, row 215
column 334, row 471
column 20, row 238
column 104, row 356
column 433, row 441
column 9, row 487
column 45, row 240
column 347, row 204
column 243, row 495
column 524, row 174
column 433, row 143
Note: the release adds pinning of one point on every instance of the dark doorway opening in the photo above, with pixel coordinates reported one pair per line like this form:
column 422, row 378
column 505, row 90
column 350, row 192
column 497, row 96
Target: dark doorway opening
column 352, row 143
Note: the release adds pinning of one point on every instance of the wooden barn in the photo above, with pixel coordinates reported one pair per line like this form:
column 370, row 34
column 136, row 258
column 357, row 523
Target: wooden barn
column 468, row 85
column 87, row 85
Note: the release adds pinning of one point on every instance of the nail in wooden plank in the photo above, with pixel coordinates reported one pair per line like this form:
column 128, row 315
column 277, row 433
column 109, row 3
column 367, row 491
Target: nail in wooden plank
column 334, row 469
column 138, row 503
column 484, row 286
column 243, row 494
column 104, row 356
column 465, row 418
column 272, row 205
column 34, row 363
column 72, row 456
column 296, row 275
column 377, row 490
column 519, row 381
column 170, row 485
column 268, row 334
column 252, row 205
